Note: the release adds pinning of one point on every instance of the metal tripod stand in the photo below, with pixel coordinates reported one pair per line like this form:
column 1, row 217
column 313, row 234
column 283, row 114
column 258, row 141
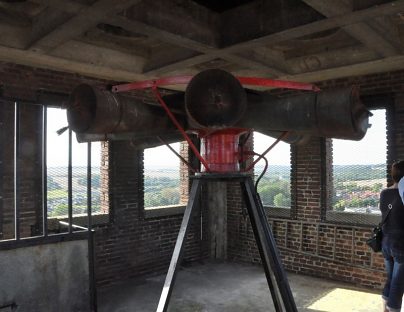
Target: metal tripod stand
column 277, row 281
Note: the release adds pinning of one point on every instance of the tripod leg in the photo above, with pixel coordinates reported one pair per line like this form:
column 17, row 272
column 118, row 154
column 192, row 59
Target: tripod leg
column 266, row 244
column 178, row 250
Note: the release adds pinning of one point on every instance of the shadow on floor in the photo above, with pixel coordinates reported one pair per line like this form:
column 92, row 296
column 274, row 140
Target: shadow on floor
column 231, row 287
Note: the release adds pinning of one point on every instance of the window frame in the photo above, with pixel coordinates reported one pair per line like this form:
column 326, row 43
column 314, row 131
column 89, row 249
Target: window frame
column 372, row 102
column 97, row 219
column 168, row 210
column 281, row 212
column 74, row 231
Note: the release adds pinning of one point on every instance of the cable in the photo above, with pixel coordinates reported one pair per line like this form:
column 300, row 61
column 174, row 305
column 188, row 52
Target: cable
column 263, row 171
column 262, row 174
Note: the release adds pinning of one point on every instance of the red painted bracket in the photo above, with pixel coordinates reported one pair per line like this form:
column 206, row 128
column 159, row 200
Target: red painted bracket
column 250, row 81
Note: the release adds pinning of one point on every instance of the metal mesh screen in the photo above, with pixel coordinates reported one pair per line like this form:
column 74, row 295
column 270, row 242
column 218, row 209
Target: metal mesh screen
column 274, row 187
column 35, row 177
column 359, row 169
column 57, row 173
column 162, row 183
column 57, row 154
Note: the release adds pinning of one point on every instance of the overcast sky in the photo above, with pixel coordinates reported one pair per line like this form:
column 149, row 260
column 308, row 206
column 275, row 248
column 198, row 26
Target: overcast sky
column 370, row 150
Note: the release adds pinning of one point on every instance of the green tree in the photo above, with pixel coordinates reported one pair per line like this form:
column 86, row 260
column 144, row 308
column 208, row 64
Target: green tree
column 280, row 200
column 268, row 189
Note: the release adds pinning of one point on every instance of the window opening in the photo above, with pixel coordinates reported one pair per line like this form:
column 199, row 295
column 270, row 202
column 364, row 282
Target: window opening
column 359, row 170
column 57, row 171
column 35, row 182
column 274, row 187
column 163, row 181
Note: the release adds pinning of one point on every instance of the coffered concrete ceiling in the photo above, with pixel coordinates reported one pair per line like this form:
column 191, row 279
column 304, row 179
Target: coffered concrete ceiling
column 128, row 40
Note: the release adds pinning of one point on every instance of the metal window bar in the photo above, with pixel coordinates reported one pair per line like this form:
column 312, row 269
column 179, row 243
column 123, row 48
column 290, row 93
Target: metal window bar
column 17, row 199
column 69, row 184
column 89, row 194
column 18, row 241
column 91, row 261
column 44, row 173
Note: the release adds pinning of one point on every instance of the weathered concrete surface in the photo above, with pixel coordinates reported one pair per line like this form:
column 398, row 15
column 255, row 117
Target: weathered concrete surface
column 229, row 287
column 51, row 277
column 217, row 203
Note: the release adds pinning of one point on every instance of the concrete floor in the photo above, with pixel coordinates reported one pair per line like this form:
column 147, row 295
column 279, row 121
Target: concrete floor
column 225, row 287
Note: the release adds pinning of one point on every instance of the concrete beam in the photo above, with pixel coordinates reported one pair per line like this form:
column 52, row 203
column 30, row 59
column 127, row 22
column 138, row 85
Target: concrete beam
column 292, row 33
column 99, row 56
column 361, row 31
column 87, row 17
column 177, row 39
column 392, row 63
column 331, row 59
column 31, row 58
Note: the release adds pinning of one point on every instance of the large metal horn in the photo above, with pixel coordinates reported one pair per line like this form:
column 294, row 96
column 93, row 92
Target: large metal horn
column 332, row 113
column 96, row 111
column 214, row 99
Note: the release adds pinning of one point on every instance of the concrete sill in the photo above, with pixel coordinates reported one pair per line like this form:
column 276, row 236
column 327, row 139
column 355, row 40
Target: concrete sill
column 163, row 211
column 351, row 218
column 277, row 212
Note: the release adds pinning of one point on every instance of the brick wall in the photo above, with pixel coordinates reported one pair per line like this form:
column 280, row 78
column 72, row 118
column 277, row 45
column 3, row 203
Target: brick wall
column 133, row 245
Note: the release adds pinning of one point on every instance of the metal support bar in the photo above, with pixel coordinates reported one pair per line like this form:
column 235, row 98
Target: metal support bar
column 276, row 277
column 267, row 268
column 91, row 261
column 269, row 253
column 179, row 127
column 176, row 154
column 265, row 82
column 282, row 136
column 17, row 173
column 69, row 185
column 44, row 173
column 178, row 250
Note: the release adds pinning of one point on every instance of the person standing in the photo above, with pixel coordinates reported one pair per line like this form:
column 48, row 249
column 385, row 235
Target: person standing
column 391, row 203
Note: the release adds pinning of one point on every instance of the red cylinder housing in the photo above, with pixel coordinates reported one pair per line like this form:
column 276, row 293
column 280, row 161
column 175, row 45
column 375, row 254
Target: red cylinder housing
column 220, row 149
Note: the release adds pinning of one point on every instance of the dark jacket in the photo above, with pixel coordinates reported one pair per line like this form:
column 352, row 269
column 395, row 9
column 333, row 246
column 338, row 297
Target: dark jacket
column 393, row 228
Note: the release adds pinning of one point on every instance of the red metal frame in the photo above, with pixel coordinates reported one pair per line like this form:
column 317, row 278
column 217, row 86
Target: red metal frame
column 282, row 136
column 265, row 82
column 177, row 124
column 255, row 81
column 250, row 81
